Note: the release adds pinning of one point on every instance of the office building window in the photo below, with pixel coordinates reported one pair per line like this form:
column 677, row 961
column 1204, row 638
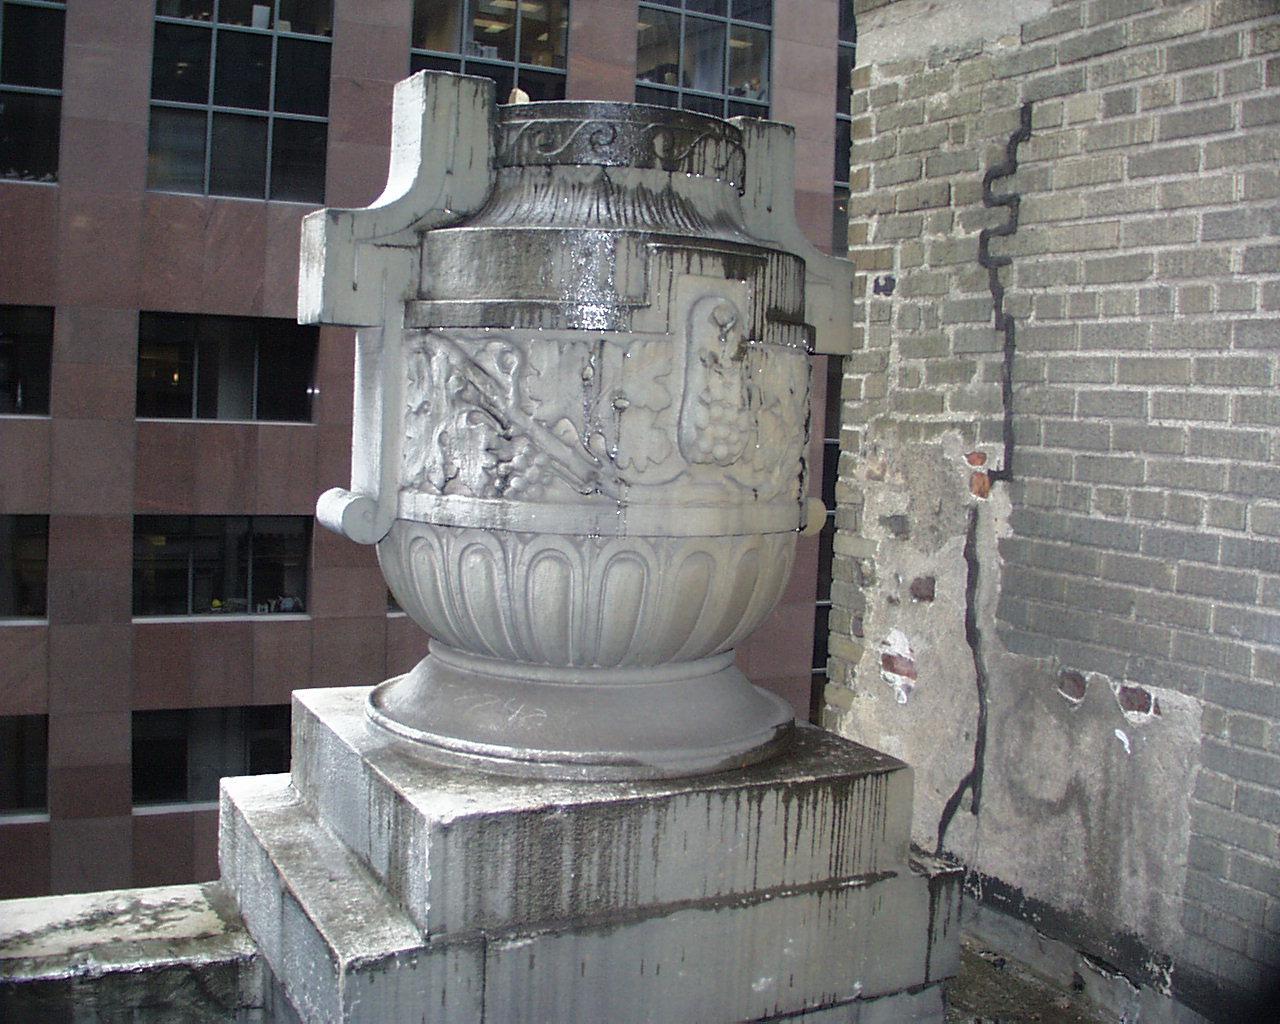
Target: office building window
column 179, row 756
column 24, row 763
column 517, row 45
column 26, row 344
column 24, row 560
column 194, row 367
column 845, row 54
column 240, row 98
column 220, row 565
column 30, row 88
column 706, row 55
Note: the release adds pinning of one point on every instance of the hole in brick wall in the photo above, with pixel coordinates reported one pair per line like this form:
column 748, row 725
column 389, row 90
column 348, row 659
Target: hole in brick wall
column 980, row 485
column 898, row 664
column 923, row 588
column 1137, row 700
column 1072, row 685
column 976, row 458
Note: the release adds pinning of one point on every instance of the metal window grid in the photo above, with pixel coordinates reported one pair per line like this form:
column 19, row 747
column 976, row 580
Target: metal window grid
column 29, row 90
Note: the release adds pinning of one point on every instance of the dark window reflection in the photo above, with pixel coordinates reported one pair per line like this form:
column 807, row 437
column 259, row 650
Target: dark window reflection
column 24, row 563
column 26, row 345
column 24, row 764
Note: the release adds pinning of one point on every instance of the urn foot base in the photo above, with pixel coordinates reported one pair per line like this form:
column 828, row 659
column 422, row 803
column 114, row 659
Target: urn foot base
column 685, row 718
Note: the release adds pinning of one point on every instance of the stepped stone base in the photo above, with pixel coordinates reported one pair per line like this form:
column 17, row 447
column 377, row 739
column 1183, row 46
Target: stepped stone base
column 379, row 887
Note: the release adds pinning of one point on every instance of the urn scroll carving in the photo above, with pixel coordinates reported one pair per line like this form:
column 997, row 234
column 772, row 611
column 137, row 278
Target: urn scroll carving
column 581, row 410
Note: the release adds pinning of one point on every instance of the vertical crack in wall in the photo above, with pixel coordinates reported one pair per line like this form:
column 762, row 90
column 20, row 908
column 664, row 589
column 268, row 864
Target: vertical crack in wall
column 972, row 780
column 1004, row 323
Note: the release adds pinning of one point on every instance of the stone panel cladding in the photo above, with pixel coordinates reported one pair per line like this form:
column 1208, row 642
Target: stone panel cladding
column 1132, row 543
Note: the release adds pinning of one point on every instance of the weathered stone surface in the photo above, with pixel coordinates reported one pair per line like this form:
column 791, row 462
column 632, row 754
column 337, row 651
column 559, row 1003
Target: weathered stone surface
column 144, row 956
column 463, row 850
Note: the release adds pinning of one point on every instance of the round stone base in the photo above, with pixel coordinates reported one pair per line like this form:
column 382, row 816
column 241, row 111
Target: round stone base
column 678, row 719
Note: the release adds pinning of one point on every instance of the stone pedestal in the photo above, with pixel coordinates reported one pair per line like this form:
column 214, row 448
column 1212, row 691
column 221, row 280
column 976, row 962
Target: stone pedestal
column 380, row 887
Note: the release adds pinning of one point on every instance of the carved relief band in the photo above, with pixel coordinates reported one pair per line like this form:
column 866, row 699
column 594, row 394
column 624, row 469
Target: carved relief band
column 580, row 424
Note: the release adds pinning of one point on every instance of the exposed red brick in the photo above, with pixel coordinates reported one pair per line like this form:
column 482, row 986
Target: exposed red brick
column 898, row 665
column 923, row 587
column 976, row 458
column 1072, row 685
column 980, row 485
column 1135, row 699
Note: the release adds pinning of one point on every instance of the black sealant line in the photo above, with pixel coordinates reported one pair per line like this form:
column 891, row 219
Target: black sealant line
column 1004, row 323
column 972, row 780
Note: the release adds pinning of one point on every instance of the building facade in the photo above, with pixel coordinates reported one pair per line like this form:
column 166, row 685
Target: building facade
column 165, row 426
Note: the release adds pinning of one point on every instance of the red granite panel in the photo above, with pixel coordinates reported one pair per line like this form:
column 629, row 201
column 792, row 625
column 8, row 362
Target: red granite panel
column 26, row 859
column 90, row 791
column 94, row 460
column 222, row 664
column 97, row 336
column 234, row 257
column 25, row 448
column 89, row 596
column 102, row 156
column 162, row 655
column 349, row 652
column 333, row 457
column 602, row 50
column 90, row 667
column 162, row 848
column 165, row 474
column 204, row 847
column 286, row 477
column 280, row 283
column 406, row 644
column 29, row 223
column 87, row 392
column 281, row 658
column 225, row 468
column 24, row 681
column 173, row 251
column 330, row 550
column 335, row 376
column 99, row 261
column 89, row 854
column 344, row 591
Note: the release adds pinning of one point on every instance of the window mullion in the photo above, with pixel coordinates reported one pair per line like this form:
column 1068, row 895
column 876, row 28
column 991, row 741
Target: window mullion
column 208, row 119
column 271, row 106
column 248, row 573
column 257, row 362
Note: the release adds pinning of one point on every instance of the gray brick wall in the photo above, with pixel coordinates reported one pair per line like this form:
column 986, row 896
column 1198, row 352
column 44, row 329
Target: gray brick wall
column 1144, row 279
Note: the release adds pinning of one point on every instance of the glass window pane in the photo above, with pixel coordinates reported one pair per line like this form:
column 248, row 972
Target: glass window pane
column 32, row 50
column 286, row 370
column 844, row 77
column 739, row 108
column 840, row 222
column 200, row 10
column 225, row 378
column 220, row 564
column 242, row 77
column 749, row 63
column 544, row 28
column 542, row 85
column 29, row 136
column 658, row 47
column 421, row 62
column 159, row 757
column 658, row 97
column 175, row 155
column 244, row 12
column 312, row 17
column 759, row 11
column 165, row 370
column 821, row 635
column 161, row 561
column 180, row 63
column 493, row 30
column 843, row 149
column 712, row 105
column 24, row 557
column 503, row 78
column 826, row 556
column 717, row 7
column 267, row 737
column 280, row 563
column 238, row 161
column 302, row 77
column 297, row 161
column 848, row 30
column 26, row 344
column 437, row 25
column 703, row 55
column 831, row 414
column 24, row 763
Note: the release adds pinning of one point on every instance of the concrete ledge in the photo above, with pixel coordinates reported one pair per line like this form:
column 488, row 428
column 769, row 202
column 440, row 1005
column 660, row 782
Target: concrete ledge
column 142, row 955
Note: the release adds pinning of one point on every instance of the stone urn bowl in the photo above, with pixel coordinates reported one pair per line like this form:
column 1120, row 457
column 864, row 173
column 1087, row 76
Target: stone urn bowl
column 582, row 399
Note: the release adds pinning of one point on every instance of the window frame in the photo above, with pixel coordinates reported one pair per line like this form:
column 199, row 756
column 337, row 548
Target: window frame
column 471, row 64
column 189, row 535
column 193, row 334
column 36, row 90
column 210, row 108
column 757, row 108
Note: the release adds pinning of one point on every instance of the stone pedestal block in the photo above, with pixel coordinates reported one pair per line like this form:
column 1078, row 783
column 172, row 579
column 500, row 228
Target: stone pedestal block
column 383, row 888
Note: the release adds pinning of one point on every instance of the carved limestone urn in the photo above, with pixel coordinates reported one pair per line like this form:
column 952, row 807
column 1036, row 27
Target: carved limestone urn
column 581, row 409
